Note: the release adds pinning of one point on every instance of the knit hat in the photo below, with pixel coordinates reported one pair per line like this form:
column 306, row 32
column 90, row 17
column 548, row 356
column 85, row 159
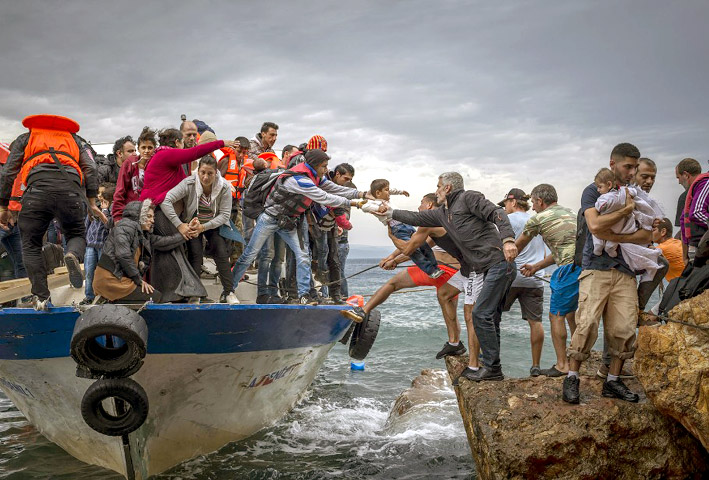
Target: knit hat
column 316, row 157
column 206, row 137
column 317, row 141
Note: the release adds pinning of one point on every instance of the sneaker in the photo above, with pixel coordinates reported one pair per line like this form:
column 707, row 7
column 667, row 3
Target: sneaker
column 535, row 371
column 76, row 276
column 262, row 299
column 275, row 300
column 483, row 373
column 229, row 297
column 86, row 301
column 194, row 300
column 449, row 349
column 603, row 372
column 357, row 314
column 41, row 305
column 570, row 390
column 306, row 300
column 552, row 372
column 436, row 274
column 617, row 389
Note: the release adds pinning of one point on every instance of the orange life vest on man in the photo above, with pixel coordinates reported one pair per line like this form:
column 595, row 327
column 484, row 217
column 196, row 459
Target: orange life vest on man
column 51, row 141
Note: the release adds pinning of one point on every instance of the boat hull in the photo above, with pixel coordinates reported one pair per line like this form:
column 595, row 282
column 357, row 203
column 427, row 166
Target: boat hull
column 213, row 375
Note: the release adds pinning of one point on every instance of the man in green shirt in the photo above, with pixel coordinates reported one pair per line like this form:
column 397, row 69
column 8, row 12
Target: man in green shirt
column 557, row 226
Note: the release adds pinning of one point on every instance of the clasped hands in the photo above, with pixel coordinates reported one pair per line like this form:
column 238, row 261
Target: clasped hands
column 191, row 230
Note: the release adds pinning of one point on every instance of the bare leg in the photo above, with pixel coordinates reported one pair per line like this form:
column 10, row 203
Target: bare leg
column 616, row 366
column 397, row 282
column 571, row 320
column 472, row 338
column 448, row 300
column 574, row 365
column 536, row 338
column 558, row 338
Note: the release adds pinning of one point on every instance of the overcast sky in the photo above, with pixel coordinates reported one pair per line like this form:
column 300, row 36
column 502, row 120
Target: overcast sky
column 511, row 94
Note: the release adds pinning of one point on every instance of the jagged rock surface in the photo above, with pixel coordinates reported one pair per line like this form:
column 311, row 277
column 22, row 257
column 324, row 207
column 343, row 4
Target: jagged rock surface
column 520, row 428
column 672, row 363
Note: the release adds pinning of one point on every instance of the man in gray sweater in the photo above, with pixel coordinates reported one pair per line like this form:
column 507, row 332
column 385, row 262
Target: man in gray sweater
column 483, row 233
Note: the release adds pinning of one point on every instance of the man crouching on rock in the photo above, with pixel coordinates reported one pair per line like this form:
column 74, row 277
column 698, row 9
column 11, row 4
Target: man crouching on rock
column 607, row 285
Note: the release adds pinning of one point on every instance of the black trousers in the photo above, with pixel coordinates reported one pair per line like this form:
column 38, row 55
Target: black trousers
column 219, row 249
column 333, row 263
column 39, row 207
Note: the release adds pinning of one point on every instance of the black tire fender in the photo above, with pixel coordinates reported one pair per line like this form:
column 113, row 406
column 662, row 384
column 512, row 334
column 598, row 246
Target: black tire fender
column 364, row 334
column 114, row 321
column 129, row 392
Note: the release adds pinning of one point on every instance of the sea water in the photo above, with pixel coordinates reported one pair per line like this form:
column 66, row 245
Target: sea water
column 340, row 428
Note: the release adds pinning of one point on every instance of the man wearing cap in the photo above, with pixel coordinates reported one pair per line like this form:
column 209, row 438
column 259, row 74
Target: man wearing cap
column 483, row 233
column 528, row 291
column 59, row 174
column 557, row 227
column 292, row 194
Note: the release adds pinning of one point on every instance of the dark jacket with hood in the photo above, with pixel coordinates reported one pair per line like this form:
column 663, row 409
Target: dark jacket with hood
column 474, row 223
column 107, row 168
column 118, row 254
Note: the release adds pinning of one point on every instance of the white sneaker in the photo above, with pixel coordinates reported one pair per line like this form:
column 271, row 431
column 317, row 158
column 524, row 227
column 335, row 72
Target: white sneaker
column 231, row 299
column 194, row 300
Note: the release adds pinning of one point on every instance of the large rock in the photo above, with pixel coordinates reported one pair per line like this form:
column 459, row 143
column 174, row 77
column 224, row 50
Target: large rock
column 520, row 428
column 672, row 363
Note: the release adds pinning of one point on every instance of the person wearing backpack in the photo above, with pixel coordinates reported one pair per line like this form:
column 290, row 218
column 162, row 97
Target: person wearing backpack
column 292, row 193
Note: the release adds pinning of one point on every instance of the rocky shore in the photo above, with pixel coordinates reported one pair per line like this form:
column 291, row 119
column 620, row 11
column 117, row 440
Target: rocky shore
column 520, row 428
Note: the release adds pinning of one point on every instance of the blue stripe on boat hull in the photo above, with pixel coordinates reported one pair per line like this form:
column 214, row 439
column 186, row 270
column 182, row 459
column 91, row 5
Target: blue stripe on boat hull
column 211, row 328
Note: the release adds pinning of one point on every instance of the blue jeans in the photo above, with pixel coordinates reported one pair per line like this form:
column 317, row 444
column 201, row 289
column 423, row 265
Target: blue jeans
column 12, row 242
column 265, row 228
column 423, row 257
column 487, row 312
column 343, row 249
column 90, row 261
column 270, row 261
column 290, row 260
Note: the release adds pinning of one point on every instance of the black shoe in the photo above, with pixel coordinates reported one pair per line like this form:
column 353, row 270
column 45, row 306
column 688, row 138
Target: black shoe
column 570, row 390
column 449, row 349
column 617, row 389
column 356, row 314
column 86, row 301
column 552, row 372
column 76, row 276
column 262, row 299
column 535, row 371
column 482, row 374
column 275, row 300
column 306, row 300
column 338, row 300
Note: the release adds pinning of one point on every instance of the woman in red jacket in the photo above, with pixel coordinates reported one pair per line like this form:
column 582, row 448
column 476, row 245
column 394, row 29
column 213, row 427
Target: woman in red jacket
column 170, row 272
column 130, row 177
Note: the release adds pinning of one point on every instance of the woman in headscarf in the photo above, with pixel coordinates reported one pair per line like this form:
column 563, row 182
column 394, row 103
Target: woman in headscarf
column 126, row 256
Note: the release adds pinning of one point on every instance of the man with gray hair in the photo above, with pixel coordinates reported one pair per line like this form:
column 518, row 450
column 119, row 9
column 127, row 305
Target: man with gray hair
column 482, row 232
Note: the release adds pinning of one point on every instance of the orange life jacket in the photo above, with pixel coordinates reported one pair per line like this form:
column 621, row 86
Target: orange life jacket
column 51, row 141
column 272, row 160
column 232, row 171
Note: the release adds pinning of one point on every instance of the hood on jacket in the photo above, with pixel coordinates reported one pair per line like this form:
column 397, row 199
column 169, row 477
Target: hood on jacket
column 137, row 211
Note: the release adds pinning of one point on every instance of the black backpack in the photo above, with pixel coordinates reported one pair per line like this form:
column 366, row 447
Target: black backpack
column 261, row 185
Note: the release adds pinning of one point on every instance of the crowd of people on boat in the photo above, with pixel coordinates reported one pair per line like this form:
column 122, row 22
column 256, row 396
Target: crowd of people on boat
column 143, row 219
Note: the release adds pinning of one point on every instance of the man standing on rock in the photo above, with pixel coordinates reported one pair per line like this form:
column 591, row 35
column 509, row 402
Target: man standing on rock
column 482, row 232
column 557, row 227
column 607, row 286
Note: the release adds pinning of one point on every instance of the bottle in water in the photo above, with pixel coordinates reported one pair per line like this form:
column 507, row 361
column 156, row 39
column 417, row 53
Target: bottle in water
column 357, row 365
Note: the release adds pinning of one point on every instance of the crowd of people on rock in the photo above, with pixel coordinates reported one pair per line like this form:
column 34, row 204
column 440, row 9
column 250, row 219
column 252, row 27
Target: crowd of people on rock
column 143, row 219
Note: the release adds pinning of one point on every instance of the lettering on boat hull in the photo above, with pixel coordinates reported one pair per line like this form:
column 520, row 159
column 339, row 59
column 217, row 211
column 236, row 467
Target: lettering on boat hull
column 273, row 376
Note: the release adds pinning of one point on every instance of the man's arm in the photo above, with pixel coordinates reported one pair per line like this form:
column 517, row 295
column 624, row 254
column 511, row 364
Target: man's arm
column 523, row 240
column 529, row 269
column 12, row 168
column 427, row 218
column 335, row 189
column 640, row 237
column 698, row 208
column 483, row 208
column 599, row 224
column 305, row 186
column 408, row 247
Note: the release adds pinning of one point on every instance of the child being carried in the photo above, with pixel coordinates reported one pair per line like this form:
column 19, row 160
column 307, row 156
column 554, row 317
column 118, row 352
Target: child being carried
column 645, row 213
column 423, row 257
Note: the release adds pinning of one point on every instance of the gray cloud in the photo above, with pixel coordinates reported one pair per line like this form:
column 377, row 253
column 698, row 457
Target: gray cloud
column 510, row 94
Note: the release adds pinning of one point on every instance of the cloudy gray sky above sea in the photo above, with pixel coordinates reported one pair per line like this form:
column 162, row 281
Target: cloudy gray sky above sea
column 511, row 94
